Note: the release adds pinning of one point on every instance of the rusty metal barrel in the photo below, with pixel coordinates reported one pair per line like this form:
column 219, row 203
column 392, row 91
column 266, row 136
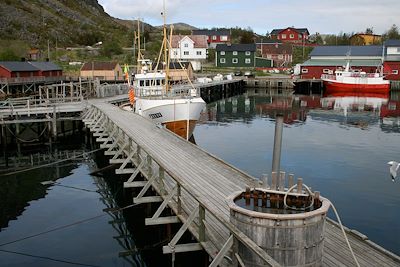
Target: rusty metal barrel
column 291, row 238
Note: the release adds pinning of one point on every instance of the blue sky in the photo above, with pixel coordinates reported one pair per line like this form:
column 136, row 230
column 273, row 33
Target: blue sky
column 321, row 16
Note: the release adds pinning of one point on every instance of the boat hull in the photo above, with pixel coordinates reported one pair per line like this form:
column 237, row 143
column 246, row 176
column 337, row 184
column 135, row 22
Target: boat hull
column 332, row 86
column 178, row 115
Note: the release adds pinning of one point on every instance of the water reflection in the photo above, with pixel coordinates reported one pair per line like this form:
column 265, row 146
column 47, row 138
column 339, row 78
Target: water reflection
column 349, row 109
column 339, row 144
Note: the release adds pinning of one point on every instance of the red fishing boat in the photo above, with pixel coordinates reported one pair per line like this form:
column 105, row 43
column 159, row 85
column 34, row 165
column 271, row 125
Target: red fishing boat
column 350, row 81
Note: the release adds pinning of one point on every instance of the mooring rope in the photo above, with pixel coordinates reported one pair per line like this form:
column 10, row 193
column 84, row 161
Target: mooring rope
column 51, row 163
column 345, row 236
column 69, row 225
column 335, row 211
column 47, row 258
column 27, row 141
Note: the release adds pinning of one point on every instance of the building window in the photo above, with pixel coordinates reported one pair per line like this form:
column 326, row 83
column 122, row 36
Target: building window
column 224, row 38
column 198, row 53
column 235, row 60
column 175, row 53
column 291, row 36
column 222, row 53
column 248, row 53
column 395, row 72
column 234, row 53
column 326, row 71
column 222, row 60
column 186, row 45
column 280, row 56
column 214, row 37
column 304, row 70
column 247, row 60
column 283, row 36
column 186, row 53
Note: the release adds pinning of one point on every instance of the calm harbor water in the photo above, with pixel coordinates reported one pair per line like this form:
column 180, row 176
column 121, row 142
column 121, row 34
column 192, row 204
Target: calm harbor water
column 339, row 145
column 339, row 151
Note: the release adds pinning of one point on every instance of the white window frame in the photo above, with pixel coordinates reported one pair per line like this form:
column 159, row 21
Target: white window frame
column 185, row 53
column 224, row 38
column 235, row 60
column 326, row 71
column 214, row 37
column 222, row 60
column 248, row 53
column 175, row 53
column 247, row 60
column 280, row 56
column 269, row 56
column 186, row 45
column 222, row 53
column 234, row 53
column 291, row 36
column 395, row 72
column 304, row 70
column 283, row 35
column 198, row 53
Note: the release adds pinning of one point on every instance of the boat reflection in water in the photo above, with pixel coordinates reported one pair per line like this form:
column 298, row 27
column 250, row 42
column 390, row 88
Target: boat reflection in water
column 348, row 108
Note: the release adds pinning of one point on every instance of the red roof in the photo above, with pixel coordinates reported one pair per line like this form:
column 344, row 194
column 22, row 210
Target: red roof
column 99, row 65
column 200, row 41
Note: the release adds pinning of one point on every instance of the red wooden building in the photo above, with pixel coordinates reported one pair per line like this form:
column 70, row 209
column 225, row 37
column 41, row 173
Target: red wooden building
column 291, row 35
column 280, row 53
column 214, row 37
column 328, row 59
column 17, row 69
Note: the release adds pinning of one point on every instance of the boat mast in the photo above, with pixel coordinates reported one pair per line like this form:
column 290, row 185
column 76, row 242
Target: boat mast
column 138, row 40
column 165, row 48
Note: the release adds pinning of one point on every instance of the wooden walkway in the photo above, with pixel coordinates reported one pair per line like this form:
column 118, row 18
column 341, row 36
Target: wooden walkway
column 195, row 185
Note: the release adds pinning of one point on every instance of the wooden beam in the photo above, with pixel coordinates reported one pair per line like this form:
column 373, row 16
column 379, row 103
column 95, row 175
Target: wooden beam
column 182, row 248
column 162, row 220
column 220, row 256
column 151, row 199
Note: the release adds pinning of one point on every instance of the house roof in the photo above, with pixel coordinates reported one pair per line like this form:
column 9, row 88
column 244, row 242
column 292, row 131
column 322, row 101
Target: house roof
column 236, row 47
column 300, row 30
column 18, row 66
column 96, row 65
column 392, row 43
column 276, row 48
column 211, row 32
column 352, row 50
column 342, row 62
column 45, row 66
column 199, row 41
column 260, row 40
column 365, row 35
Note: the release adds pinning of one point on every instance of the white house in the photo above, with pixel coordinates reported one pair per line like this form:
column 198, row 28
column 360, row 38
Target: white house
column 191, row 48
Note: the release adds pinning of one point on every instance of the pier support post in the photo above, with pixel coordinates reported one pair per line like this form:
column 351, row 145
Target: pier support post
column 276, row 159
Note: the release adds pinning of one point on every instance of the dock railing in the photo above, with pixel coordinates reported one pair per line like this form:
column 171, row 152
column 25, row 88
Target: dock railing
column 212, row 230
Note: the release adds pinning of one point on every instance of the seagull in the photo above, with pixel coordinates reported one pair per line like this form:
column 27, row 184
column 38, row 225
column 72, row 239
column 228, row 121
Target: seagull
column 394, row 166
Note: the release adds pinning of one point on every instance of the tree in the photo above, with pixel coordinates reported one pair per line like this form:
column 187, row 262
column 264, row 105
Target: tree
column 8, row 54
column 392, row 33
column 369, row 30
column 110, row 49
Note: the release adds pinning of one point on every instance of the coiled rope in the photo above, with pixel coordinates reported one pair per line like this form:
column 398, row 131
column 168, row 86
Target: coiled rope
column 334, row 210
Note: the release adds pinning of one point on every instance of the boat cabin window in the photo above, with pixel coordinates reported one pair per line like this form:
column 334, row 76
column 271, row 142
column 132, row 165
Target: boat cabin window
column 141, row 83
column 147, row 82
column 158, row 82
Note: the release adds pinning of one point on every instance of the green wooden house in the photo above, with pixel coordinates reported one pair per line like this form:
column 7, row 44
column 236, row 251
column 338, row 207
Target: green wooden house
column 238, row 56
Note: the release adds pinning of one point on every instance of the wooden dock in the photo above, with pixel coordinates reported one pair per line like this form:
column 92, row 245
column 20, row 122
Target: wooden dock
column 195, row 185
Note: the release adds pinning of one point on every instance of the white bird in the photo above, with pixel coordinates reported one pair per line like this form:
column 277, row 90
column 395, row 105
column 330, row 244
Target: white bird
column 394, row 166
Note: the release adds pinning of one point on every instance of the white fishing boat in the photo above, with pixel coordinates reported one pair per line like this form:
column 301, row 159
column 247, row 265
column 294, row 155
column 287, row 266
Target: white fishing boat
column 176, row 108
